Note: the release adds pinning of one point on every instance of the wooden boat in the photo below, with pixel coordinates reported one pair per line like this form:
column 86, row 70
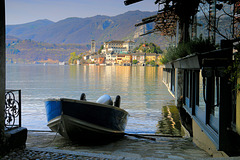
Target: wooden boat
column 87, row 121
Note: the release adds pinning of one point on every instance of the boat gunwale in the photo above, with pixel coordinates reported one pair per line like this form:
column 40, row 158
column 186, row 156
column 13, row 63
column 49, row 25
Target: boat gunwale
column 52, row 99
column 88, row 102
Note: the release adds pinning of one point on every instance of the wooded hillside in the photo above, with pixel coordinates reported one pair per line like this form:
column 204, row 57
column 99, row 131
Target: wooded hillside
column 29, row 51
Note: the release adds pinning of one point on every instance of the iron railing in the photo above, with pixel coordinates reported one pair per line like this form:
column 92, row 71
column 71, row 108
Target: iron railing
column 12, row 109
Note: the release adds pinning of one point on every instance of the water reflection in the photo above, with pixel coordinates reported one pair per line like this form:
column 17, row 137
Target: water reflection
column 170, row 123
column 141, row 89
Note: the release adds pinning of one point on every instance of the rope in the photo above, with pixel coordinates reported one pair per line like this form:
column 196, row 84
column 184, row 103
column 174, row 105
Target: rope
column 55, row 135
column 147, row 136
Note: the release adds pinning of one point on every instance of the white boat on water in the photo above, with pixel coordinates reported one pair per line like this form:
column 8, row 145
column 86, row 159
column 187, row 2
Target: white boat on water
column 61, row 63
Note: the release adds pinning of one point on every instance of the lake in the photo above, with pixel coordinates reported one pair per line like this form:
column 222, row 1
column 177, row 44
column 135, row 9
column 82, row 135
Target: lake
column 142, row 92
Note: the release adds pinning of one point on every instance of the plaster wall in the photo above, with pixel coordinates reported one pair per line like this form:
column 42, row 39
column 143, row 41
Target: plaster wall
column 203, row 142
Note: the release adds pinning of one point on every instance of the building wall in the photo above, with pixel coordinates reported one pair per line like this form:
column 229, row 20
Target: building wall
column 151, row 57
column 238, row 111
column 2, row 75
column 118, row 46
column 200, row 137
column 127, row 58
column 140, row 57
column 129, row 45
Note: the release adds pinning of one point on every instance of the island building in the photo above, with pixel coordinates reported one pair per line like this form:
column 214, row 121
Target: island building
column 140, row 57
column 118, row 47
column 118, row 52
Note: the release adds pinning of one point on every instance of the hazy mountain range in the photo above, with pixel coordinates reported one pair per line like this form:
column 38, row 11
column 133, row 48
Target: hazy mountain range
column 83, row 30
column 44, row 40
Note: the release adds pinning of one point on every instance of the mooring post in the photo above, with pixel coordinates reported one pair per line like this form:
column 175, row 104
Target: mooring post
column 2, row 70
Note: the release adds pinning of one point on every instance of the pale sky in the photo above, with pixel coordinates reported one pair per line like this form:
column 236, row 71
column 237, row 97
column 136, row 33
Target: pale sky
column 23, row 11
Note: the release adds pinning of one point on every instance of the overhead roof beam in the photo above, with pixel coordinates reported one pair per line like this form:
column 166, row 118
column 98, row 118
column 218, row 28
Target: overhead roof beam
column 128, row 2
column 146, row 20
column 149, row 32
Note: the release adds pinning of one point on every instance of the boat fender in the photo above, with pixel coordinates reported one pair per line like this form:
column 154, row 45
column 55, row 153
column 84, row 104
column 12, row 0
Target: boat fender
column 83, row 97
column 117, row 101
column 105, row 99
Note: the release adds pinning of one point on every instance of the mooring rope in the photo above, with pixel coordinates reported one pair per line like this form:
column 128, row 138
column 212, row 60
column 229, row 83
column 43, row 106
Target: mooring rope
column 55, row 135
column 144, row 136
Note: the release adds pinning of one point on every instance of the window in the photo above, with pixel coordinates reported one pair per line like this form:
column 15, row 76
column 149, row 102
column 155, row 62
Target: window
column 215, row 107
column 202, row 92
column 173, row 80
column 200, row 107
column 192, row 91
column 187, row 83
column 214, row 104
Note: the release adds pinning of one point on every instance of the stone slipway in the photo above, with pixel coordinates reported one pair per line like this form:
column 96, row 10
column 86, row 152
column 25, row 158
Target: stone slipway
column 52, row 146
column 49, row 145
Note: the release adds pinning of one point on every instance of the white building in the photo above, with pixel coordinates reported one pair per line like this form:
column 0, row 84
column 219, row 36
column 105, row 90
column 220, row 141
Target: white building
column 129, row 45
column 111, row 58
column 118, row 47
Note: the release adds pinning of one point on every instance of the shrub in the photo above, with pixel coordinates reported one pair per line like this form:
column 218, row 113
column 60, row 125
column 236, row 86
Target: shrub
column 152, row 63
column 134, row 61
column 197, row 45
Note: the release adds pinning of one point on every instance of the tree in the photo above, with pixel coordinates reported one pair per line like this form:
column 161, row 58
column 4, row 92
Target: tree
column 100, row 50
column 174, row 10
column 149, row 48
column 185, row 9
column 73, row 58
column 134, row 61
column 152, row 63
column 178, row 10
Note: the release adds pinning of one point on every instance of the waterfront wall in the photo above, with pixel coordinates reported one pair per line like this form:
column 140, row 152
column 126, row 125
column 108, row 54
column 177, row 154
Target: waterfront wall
column 190, row 127
column 203, row 142
column 211, row 126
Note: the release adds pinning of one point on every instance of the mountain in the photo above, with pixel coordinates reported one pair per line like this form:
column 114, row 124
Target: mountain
column 24, row 31
column 83, row 30
column 44, row 41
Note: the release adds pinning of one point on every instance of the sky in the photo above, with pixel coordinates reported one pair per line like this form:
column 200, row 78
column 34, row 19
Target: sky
column 24, row 11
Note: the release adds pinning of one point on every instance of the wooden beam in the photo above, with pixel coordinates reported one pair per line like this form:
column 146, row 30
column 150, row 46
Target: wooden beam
column 146, row 20
column 150, row 18
column 128, row 2
column 149, row 32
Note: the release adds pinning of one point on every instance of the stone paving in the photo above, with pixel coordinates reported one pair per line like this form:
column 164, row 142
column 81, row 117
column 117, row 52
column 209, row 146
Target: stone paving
column 48, row 145
column 29, row 154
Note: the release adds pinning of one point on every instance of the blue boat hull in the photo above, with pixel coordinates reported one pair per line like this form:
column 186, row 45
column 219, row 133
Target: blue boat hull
column 85, row 121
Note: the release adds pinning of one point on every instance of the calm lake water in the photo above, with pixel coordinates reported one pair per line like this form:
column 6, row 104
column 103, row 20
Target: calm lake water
column 142, row 92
